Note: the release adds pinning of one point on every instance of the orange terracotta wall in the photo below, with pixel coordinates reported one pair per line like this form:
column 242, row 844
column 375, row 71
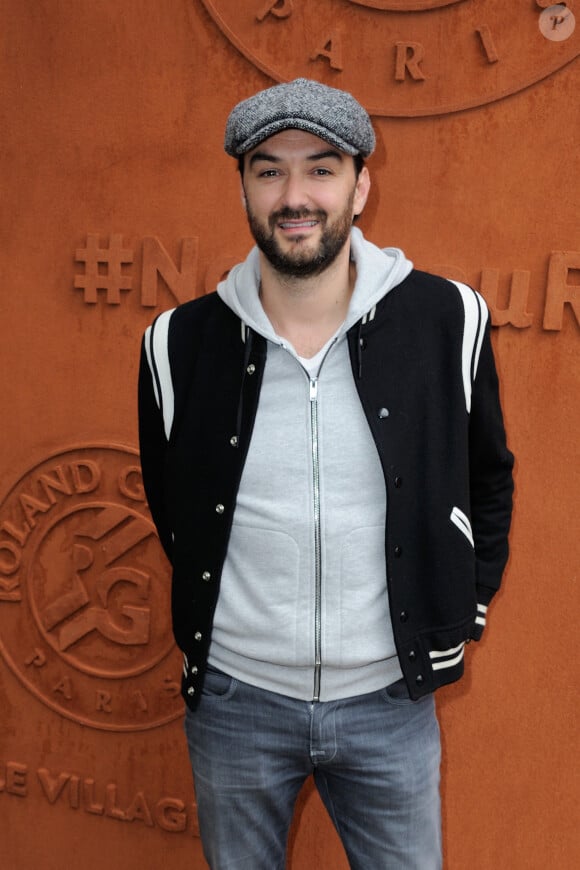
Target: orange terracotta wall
column 118, row 202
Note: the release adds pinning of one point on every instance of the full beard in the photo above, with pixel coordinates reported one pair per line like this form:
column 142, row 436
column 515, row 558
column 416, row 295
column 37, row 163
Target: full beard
column 298, row 262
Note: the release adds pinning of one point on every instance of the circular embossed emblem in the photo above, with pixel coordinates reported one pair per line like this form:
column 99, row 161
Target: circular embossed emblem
column 400, row 58
column 84, row 592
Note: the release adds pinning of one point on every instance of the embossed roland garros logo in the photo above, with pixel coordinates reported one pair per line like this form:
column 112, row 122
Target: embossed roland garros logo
column 84, row 592
column 401, row 58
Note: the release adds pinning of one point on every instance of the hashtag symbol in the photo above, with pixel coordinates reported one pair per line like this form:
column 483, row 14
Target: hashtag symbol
column 103, row 269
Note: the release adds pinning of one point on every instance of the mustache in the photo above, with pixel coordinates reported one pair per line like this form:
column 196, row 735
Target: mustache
column 292, row 214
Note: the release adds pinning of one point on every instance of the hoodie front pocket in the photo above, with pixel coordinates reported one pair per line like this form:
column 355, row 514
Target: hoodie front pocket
column 461, row 520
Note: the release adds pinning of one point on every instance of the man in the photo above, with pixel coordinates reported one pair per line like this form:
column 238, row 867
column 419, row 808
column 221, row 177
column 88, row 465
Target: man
column 325, row 461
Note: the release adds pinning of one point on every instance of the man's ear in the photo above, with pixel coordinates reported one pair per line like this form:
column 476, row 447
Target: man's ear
column 361, row 191
column 243, row 195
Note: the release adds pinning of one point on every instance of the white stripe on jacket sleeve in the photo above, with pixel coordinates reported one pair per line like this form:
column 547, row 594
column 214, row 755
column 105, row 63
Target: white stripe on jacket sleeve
column 480, row 619
column 447, row 658
column 157, row 350
column 476, row 316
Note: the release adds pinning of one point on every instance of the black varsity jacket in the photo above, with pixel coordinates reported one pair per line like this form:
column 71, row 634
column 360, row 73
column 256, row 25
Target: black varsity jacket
column 425, row 374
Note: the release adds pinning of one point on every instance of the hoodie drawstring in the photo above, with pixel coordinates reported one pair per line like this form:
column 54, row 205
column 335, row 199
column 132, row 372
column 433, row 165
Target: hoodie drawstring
column 359, row 345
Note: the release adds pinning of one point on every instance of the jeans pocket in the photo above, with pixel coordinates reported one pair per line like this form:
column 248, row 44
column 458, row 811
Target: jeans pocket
column 397, row 693
column 217, row 685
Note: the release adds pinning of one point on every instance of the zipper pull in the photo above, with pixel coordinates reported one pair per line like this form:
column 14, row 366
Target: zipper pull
column 313, row 389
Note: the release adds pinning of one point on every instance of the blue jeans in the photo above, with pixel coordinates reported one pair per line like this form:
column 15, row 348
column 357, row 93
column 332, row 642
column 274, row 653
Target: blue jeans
column 374, row 758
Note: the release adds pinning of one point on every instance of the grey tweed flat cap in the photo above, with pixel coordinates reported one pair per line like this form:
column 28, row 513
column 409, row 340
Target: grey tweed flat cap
column 303, row 104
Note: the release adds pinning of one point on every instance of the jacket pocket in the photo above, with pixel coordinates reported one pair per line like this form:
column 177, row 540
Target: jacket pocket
column 461, row 521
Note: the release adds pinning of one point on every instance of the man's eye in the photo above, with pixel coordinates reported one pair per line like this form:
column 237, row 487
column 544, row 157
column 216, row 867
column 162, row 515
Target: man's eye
column 269, row 173
column 321, row 171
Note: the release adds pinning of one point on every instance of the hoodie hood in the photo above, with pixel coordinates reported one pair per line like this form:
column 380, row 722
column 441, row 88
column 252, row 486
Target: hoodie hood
column 377, row 272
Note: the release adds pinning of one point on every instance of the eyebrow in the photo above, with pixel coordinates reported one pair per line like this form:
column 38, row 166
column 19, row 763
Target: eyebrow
column 313, row 158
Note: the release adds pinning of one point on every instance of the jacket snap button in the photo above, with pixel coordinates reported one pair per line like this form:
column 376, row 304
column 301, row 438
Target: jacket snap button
column 251, row 369
column 234, row 440
column 219, row 508
column 383, row 413
column 197, row 635
column 194, row 670
column 398, row 482
column 419, row 679
column 191, row 690
column 403, row 616
column 398, row 551
column 206, row 576
column 412, row 655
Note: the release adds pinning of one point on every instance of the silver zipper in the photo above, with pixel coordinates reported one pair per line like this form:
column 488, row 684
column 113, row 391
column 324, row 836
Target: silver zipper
column 317, row 530
column 317, row 535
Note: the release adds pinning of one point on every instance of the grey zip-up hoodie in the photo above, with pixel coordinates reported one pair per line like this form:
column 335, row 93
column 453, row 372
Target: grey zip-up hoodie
column 303, row 607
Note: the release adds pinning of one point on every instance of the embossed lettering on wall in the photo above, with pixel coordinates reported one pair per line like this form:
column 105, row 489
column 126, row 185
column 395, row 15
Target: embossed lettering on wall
column 562, row 291
column 427, row 56
column 562, row 288
column 84, row 609
column 107, row 270
column 74, row 791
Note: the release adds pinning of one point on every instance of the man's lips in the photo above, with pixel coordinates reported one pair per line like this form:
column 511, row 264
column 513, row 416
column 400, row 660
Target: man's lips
column 297, row 224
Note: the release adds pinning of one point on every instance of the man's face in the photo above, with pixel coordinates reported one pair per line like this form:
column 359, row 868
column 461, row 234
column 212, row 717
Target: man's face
column 301, row 195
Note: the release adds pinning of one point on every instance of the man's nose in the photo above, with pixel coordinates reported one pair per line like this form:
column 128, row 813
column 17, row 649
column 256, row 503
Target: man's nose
column 295, row 194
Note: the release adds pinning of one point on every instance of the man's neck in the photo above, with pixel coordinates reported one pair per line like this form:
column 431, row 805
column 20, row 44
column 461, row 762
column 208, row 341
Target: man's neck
column 308, row 311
